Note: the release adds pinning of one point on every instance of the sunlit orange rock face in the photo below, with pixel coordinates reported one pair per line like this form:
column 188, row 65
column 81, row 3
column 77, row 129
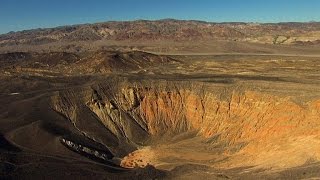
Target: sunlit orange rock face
column 267, row 130
column 246, row 116
column 267, row 124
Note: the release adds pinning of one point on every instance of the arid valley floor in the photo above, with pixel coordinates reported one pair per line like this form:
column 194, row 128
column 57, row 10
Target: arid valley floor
column 161, row 100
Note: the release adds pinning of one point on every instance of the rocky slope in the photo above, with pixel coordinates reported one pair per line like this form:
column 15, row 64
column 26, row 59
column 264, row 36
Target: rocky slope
column 250, row 128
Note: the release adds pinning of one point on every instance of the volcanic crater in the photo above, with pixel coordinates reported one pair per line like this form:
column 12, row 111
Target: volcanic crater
column 171, row 124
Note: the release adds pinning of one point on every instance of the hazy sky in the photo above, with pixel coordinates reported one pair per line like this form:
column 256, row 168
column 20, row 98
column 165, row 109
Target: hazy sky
column 26, row 14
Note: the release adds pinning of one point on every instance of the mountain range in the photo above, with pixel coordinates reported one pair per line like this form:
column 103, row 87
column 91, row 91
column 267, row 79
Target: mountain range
column 177, row 31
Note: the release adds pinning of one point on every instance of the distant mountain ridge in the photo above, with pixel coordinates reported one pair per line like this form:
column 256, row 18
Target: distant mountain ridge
column 163, row 36
column 290, row 33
